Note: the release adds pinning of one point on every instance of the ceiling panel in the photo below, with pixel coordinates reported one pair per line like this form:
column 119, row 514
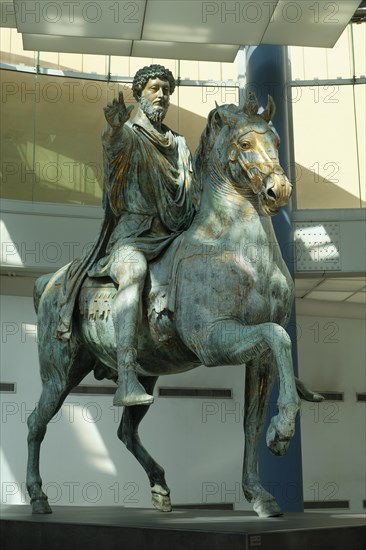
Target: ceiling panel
column 307, row 284
column 206, row 22
column 358, row 298
column 302, row 290
column 137, row 48
column 96, row 46
column 328, row 296
column 309, row 23
column 235, row 23
column 7, row 14
column 331, row 289
column 103, row 19
column 351, row 285
column 204, row 52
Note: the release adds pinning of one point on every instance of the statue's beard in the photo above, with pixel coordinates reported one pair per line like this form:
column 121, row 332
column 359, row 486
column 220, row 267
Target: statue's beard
column 154, row 114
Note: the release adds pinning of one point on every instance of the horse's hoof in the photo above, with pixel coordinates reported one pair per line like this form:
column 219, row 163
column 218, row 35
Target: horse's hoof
column 161, row 497
column 41, row 506
column 277, row 444
column 267, row 508
column 161, row 502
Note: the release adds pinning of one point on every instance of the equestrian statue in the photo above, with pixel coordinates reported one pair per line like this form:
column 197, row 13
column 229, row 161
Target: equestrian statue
column 186, row 271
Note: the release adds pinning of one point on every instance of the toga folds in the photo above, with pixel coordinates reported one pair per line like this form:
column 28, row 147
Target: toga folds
column 148, row 198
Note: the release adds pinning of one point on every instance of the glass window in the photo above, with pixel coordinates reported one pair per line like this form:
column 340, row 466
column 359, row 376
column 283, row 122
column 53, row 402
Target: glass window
column 360, row 114
column 189, row 70
column 80, row 63
column 50, row 138
column 120, row 66
column 136, row 63
column 19, row 94
column 12, row 51
column 323, row 63
column 325, row 145
column 194, row 105
column 50, row 60
column 52, row 124
column 69, row 119
column 95, row 64
column 345, row 60
column 128, row 66
column 359, row 48
column 71, row 62
column 51, row 128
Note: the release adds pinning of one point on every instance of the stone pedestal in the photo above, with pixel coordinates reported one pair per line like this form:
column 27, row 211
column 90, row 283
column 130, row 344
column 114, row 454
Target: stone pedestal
column 118, row 528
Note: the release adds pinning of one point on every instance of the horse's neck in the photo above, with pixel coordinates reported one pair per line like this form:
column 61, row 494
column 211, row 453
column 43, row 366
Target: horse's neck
column 226, row 214
column 229, row 220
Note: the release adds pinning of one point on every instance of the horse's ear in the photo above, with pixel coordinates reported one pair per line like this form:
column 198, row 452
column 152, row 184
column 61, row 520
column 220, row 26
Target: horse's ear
column 270, row 110
column 220, row 117
column 215, row 118
column 251, row 104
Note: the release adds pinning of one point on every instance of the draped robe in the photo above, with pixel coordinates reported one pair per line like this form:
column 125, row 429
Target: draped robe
column 148, row 199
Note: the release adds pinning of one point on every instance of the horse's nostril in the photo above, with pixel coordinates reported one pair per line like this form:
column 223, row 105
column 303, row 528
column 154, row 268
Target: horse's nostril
column 271, row 193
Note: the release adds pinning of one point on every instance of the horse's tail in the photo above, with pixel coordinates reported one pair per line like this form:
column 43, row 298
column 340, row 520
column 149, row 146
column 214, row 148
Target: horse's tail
column 39, row 287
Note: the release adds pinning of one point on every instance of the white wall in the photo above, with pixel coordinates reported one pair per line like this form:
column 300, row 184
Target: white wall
column 332, row 358
column 42, row 237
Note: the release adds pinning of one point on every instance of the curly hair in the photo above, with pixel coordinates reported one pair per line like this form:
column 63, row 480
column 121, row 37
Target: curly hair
column 153, row 71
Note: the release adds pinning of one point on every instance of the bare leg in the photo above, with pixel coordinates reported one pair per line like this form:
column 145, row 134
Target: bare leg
column 129, row 272
column 128, row 434
column 259, row 379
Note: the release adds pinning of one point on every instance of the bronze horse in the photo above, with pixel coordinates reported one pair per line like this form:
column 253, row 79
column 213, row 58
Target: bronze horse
column 220, row 295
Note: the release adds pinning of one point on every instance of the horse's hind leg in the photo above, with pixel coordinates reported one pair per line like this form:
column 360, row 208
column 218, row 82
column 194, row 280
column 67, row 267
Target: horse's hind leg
column 259, row 379
column 128, row 434
column 57, row 384
column 53, row 395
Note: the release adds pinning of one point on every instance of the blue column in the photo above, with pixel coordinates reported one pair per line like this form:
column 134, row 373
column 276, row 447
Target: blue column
column 267, row 72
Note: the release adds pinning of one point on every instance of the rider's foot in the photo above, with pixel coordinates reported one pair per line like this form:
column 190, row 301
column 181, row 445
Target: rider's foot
column 130, row 391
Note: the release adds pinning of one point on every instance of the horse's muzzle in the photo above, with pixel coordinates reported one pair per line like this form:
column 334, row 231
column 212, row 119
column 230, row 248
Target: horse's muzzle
column 276, row 192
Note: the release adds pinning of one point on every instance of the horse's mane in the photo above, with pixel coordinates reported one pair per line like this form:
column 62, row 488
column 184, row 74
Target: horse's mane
column 225, row 116
column 217, row 118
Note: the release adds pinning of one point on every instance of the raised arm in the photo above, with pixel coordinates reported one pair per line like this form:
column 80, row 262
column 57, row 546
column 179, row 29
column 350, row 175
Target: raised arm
column 117, row 140
column 114, row 136
column 116, row 112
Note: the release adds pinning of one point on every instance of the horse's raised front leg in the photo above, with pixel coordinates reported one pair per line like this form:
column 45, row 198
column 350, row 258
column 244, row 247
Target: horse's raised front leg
column 259, row 377
column 233, row 343
column 128, row 434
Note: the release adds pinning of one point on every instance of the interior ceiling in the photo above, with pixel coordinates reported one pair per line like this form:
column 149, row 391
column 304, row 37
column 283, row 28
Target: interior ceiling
column 332, row 289
column 175, row 29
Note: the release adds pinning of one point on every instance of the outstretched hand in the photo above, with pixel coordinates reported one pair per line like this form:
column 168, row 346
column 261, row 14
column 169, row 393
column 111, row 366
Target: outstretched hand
column 116, row 112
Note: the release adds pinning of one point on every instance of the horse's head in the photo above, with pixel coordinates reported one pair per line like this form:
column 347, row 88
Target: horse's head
column 242, row 145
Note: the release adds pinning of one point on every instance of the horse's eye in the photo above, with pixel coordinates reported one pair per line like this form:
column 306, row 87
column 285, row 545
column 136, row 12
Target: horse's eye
column 245, row 145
